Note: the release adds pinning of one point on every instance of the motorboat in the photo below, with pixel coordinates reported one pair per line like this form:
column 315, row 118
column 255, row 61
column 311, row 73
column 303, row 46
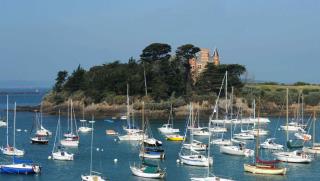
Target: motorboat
column 270, row 144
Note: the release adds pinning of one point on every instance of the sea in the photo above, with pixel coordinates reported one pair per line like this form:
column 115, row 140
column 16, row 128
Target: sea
column 107, row 148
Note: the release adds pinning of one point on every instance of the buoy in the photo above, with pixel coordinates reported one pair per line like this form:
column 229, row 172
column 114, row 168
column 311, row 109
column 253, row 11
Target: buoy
column 101, row 149
column 115, row 140
column 115, row 160
column 49, row 157
column 25, row 130
column 98, row 149
column 178, row 161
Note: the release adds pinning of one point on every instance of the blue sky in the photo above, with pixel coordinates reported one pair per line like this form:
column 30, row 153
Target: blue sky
column 275, row 40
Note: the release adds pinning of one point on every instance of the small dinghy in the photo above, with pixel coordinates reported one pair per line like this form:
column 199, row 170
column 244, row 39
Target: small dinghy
column 39, row 140
column 175, row 137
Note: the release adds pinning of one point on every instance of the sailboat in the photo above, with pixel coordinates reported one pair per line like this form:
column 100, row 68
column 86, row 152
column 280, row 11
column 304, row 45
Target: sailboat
column 71, row 139
column 201, row 131
column 130, row 128
column 41, row 131
column 297, row 156
column 145, row 169
column 152, row 147
column 168, row 128
column 315, row 148
column 209, row 176
column 9, row 150
column 263, row 166
column 92, row 176
column 42, row 137
column 132, row 132
column 84, row 127
column 20, row 166
column 58, row 152
column 191, row 156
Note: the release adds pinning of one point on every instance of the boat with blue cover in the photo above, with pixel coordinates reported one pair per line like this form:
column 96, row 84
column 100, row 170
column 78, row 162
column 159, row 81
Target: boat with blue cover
column 20, row 166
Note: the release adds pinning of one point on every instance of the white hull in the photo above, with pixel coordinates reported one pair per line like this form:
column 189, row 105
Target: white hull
column 243, row 136
column 236, row 150
column 138, row 172
column 273, row 146
column 43, row 132
column 84, row 129
column 221, row 142
column 303, row 136
column 10, row 151
column 196, row 146
column 262, row 132
column 312, row 150
column 3, row 124
column 167, row 129
column 69, row 143
column 132, row 137
column 91, row 178
column 218, row 129
column 293, row 157
column 196, row 160
column 201, row 133
column 214, row 178
column 64, row 156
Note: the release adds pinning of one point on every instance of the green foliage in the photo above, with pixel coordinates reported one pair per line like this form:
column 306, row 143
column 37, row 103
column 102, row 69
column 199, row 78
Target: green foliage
column 313, row 98
column 168, row 79
column 60, row 80
column 301, row 83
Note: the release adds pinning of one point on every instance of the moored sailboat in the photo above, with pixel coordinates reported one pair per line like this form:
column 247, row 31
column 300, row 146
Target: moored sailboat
column 11, row 150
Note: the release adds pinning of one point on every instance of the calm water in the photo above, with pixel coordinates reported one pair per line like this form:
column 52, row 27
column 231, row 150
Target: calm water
column 127, row 152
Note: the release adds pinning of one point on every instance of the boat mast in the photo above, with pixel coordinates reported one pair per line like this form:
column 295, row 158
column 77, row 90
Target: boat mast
column 226, row 94
column 302, row 99
column 143, row 131
column 40, row 115
column 7, row 134
column 128, row 108
column 257, row 137
column 91, row 147
column 14, row 127
column 231, row 104
column 71, row 116
column 314, row 127
column 57, row 132
column 254, row 108
column 287, row 113
column 68, row 120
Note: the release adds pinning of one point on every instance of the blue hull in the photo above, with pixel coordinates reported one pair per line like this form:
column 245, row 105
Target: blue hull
column 11, row 170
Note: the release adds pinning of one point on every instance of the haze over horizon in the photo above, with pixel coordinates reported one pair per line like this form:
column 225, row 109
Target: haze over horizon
column 276, row 40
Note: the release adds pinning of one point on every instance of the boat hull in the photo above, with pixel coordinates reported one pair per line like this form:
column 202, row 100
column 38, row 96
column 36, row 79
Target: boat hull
column 137, row 172
column 91, row 178
column 267, row 170
column 196, row 160
column 235, row 150
column 19, row 169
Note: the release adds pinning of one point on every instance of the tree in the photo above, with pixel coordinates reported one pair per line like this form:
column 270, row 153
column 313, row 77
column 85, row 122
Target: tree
column 155, row 52
column 60, row 80
column 183, row 54
column 77, row 80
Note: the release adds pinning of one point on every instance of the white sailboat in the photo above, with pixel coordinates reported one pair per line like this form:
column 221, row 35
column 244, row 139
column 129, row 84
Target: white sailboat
column 92, row 176
column 315, row 148
column 270, row 144
column 130, row 128
column 71, row 139
column 84, row 128
column 168, row 128
column 297, row 156
column 191, row 156
column 41, row 131
column 58, row 152
column 11, row 150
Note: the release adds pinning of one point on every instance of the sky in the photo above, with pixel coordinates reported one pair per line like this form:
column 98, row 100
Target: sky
column 276, row 40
